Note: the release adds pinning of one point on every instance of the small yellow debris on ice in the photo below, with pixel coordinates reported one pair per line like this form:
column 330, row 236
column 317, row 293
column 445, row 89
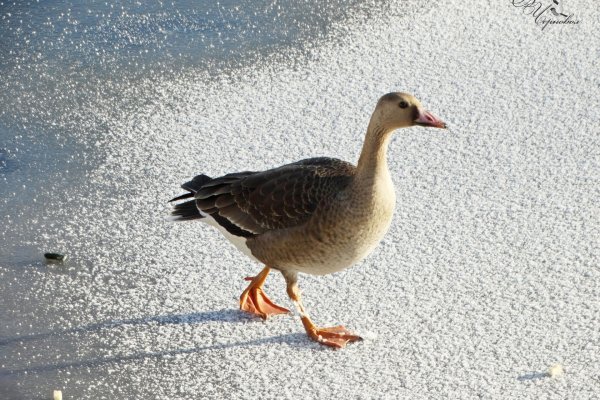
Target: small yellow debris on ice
column 555, row 371
column 57, row 395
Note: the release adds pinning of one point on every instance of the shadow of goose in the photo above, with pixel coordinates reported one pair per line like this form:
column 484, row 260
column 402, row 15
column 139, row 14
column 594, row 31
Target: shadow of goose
column 191, row 318
column 294, row 339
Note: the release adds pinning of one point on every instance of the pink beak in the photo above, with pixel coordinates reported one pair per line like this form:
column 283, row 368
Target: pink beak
column 425, row 118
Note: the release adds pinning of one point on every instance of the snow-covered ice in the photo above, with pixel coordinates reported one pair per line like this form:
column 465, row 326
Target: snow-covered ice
column 489, row 274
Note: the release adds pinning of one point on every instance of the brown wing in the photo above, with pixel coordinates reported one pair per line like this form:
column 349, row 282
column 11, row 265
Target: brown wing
column 251, row 203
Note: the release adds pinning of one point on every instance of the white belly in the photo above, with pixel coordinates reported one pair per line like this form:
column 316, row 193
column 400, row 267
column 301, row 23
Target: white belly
column 238, row 241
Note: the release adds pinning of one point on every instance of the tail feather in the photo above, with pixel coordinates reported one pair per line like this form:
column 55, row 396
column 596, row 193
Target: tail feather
column 183, row 196
column 196, row 184
column 188, row 210
column 185, row 211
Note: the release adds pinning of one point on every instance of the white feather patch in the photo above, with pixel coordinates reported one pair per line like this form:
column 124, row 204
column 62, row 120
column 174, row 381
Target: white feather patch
column 238, row 241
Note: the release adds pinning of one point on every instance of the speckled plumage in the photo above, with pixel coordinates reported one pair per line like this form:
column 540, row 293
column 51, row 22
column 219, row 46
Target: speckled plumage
column 278, row 198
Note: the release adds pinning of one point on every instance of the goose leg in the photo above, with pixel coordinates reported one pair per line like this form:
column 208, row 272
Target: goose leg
column 255, row 301
column 336, row 336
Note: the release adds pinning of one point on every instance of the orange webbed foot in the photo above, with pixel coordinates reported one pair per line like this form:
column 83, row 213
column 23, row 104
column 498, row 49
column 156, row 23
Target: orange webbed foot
column 255, row 301
column 337, row 336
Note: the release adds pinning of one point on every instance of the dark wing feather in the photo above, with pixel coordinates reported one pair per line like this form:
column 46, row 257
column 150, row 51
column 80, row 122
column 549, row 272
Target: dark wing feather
column 192, row 187
column 256, row 202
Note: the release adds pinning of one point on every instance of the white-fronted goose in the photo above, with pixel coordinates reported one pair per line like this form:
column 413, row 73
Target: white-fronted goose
column 315, row 216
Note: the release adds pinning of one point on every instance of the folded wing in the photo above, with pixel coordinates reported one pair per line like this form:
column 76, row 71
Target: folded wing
column 251, row 203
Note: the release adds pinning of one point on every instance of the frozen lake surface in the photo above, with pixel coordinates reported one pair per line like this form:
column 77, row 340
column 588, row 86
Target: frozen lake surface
column 489, row 274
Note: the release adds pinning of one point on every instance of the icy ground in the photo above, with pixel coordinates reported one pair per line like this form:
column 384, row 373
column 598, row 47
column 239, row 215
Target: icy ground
column 488, row 276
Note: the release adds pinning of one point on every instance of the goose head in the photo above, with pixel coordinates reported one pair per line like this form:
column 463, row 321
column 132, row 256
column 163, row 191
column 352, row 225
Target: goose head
column 402, row 110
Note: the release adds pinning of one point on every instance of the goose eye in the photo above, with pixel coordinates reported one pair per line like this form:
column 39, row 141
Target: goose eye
column 403, row 104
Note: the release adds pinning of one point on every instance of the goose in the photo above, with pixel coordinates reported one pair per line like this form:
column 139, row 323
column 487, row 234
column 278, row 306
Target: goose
column 315, row 216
